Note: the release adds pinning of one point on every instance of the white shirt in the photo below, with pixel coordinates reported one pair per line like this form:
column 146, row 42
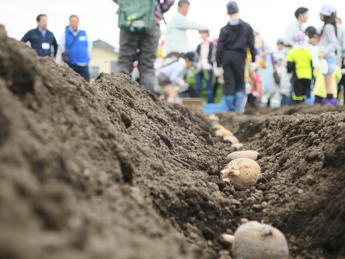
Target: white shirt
column 176, row 37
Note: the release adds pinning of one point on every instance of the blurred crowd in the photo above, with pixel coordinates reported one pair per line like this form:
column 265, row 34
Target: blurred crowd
column 307, row 64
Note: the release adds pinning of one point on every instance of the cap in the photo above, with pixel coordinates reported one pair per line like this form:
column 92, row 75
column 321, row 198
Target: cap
column 299, row 38
column 232, row 7
column 327, row 10
column 280, row 41
column 189, row 55
column 311, row 31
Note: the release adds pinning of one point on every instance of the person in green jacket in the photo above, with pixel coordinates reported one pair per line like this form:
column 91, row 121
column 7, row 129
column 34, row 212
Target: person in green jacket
column 300, row 64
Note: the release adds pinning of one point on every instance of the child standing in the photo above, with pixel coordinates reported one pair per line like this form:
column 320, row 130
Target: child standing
column 328, row 49
column 300, row 64
column 320, row 89
column 278, row 57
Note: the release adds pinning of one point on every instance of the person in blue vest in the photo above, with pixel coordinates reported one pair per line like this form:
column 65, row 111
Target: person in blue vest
column 41, row 39
column 79, row 47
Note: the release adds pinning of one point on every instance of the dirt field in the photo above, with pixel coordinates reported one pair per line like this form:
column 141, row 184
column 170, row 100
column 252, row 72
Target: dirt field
column 109, row 171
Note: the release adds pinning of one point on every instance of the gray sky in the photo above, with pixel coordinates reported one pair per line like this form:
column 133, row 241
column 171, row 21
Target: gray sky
column 99, row 19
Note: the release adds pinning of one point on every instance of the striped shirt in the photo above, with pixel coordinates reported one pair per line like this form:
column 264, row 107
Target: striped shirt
column 160, row 8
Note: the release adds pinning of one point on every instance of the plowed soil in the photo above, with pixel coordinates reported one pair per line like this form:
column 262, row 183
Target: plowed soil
column 109, row 171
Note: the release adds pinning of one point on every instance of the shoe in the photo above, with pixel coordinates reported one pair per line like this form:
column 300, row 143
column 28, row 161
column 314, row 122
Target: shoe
column 329, row 102
column 230, row 102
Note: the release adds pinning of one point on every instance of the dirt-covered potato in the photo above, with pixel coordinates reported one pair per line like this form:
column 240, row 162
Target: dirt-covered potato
column 254, row 240
column 232, row 139
column 237, row 146
column 213, row 117
column 244, row 171
column 243, row 154
column 223, row 132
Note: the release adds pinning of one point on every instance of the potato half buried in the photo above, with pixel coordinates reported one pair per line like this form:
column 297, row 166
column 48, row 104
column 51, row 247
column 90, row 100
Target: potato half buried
column 223, row 132
column 254, row 240
column 213, row 117
column 243, row 154
column 244, row 171
column 232, row 139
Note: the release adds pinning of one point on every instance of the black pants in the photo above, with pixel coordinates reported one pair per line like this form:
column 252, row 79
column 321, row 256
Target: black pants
column 252, row 102
column 318, row 100
column 300, row 88
column 233, row 76
column 83, row 71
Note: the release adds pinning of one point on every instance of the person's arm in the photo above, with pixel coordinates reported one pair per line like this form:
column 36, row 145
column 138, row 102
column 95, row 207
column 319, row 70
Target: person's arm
column 220, row 47
column 183, row 24
column 165, row 6
column 89, row 44
column 55, row 45
column 329, row 32
column 290, row 31
column 26, row 37
column 251, row 43
column 290, row 63
column 62, row 44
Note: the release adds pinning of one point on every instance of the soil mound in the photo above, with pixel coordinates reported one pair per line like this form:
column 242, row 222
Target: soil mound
column 109, row 171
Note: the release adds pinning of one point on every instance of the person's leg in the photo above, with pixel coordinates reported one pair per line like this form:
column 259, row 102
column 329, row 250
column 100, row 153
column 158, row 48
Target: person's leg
column 318, row 100
column 171, row 92
column 215, row 88
column 240, row 90
column 298, row 94
column 229, row 84
column 84, row 72
column 198, row 82
column 209, row 87
column 127, row 52
column 148, row 52
column 329, row 100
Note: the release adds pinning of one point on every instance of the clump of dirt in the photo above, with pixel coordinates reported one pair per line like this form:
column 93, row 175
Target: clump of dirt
column 304, row 162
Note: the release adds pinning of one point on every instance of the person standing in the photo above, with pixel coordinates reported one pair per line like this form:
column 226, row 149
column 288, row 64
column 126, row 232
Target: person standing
column 41, row 39
column 300, row 64
column 176, row 37
column 234, row 39
column 79, row 45
column 142, row 46
column 206, row 58
column 301, row 15
column 328, row 49
column 341, row 55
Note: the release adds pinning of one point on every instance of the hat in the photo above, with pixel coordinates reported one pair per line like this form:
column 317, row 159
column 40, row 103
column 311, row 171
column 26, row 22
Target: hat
column 327, row 10
column 311, row 30
column 189, row 55
column 232, row 7
column 299, row 38
column 280, row 41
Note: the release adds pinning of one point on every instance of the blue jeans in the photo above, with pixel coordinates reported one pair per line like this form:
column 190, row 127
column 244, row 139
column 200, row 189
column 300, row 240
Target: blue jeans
column 207, row 76
column 83, row 71
column 332, row 62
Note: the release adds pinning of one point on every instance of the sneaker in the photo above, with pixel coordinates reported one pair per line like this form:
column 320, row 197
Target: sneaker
column 329, row 102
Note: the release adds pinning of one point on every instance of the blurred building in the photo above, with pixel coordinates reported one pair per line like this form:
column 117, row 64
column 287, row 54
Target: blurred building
column 103, row 58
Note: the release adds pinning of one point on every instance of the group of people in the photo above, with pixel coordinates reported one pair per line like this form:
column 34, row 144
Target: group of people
column 74, row 47
column 307, row 61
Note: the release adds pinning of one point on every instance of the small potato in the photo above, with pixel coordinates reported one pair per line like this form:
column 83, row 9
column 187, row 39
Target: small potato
column 232, row 139
column 213, row 117
column 237, row 146
column 223, row 133
column 243, row 154
column 244, row 171
column 254, row 240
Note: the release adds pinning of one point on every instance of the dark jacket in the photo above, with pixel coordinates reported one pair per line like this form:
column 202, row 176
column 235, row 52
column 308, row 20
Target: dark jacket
column 211, row 53
column 36, row 39
column 233, row 42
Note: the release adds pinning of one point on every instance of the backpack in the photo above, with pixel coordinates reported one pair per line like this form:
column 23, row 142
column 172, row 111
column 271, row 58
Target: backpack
column 136, row 15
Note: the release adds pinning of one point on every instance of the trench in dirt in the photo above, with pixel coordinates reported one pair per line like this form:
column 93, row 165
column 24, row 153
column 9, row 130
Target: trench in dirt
column 109, row 171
